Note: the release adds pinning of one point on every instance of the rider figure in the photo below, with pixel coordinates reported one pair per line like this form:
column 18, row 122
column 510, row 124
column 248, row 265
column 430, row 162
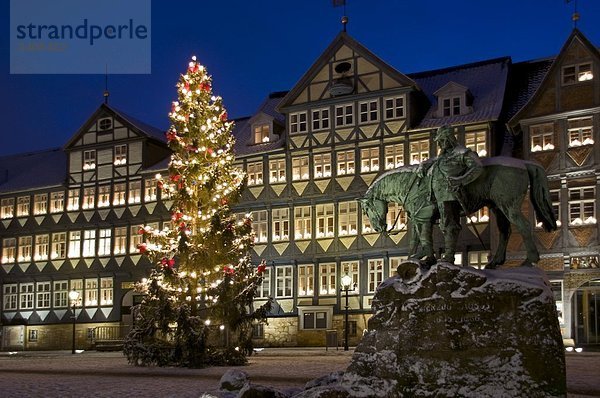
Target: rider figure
column 454, row 167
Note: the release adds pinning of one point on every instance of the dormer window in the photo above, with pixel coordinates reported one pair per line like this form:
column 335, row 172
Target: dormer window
column 89, row 160
column 261, row 133
column 453, row 99
column 577, row 73
column 451, row 106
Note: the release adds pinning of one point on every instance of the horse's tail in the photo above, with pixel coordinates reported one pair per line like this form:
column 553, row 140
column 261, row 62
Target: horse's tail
column 540, row 196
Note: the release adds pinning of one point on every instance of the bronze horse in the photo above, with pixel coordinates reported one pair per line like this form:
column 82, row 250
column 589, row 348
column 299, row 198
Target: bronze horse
column 501, row 187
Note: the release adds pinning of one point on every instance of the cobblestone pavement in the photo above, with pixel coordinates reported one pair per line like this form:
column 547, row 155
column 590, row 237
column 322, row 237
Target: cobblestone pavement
column 94, row 374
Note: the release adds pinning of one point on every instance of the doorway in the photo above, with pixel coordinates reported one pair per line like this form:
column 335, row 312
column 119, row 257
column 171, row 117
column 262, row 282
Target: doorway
column 587, row 313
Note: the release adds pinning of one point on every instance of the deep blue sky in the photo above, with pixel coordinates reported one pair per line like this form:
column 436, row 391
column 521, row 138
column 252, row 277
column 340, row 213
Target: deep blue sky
column 254, row 47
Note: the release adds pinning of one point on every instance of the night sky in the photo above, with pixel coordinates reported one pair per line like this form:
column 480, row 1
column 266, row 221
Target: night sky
column 255, row 47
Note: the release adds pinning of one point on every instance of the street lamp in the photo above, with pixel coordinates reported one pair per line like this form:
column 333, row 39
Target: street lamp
column 74, row 297
column 346, row 284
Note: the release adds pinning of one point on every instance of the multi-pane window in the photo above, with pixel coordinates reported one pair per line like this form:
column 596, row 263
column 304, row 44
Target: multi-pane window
column 325, row 221
column 366, row 225
column 419, row 151
column 281, row 224
column 77, row 286
column 344, row 115
column 135, row 192
column 40, row 203
column 89, row 160
column 261, row 133
column 260, row 226
column 580, row 131
column 394, row 156
column 23, row 206
column 478, row 259
column 74, row 244
column 322, row 162
column 396, row 217
column 328, row 276
column 351, row 268
column 26, row 296
column 320, row 119
column 475, row 140
column 42, row 247
column 480, row 216
column 120, row 155
column 306, row 279
column 120, row 240
column 283, row 281
column 89, row 198
column 277, row 171
column 106, row 291
column 374, row 273
column 89, row 243
column 104, row 196
column 255, row 173
column 135, row 238
column 10, row 297
column 314, row 319
column 451, row 106
column 302, row 222
column 7, row 208
column 369, row 160
column 582, row 205
column 298, row 123
column 73, row 200
column 577, row 73
column 348, row 218
column 542, row 137
column 91, row 292
column 57, row 201
column 43, row 294
column 394, row 108
column 150, row 190
column 300, row 168
column 25, row 249
column 345, row 163
column 104, row 241
column 59, row 245
column 394, row 263
column 9, row 249
column 368, row 111
column 119, row 192
column 265, row 287
column 61, row 294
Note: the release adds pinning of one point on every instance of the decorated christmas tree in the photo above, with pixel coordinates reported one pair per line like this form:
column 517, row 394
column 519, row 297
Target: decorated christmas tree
column 198, row 303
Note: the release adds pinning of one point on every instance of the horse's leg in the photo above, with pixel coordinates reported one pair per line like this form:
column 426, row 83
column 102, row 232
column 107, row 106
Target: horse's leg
column 516, row 217
column 504, row 233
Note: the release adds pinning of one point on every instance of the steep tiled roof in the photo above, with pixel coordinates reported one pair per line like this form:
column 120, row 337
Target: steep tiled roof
column 151, row 131
column 33, row 170
column 486, row 81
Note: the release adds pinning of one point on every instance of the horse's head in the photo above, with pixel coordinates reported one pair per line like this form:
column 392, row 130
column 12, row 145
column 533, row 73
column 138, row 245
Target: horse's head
column 376, row 210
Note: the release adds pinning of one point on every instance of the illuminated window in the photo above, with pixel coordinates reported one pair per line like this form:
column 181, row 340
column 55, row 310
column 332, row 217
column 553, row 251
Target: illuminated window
column 119, row 192
column 103, row 196
column 106, row 291
column 120, row 156
column 91, row 292
column 302, row 223
column 582, row 206
column 89, row 160
column 277, row 171
column 120, row 240
column 369, row 160
column 89, row 198
column 10, row 297
column 7, row 208
column 40, row 204
column 104, row 241
column 74, row 244
column 375, row 273
column 135, row 239
column 480, row 216
column 345, row 163
column 320, row 119
column 396, row 212
column 25, row 249
column 265, row 287
column 394, row 108
column 255, row 173
column 348, row 218
column 478, row 259
column 344, row 115
column 259, row 226
column 26, row 296
column 59, row 245
column 77, row 286
column 366, row 225
column 61, row 294
column 73, row 200
column 368, row 111
column 57, row 202
column 451, row 106
column 23, row 206
column 9, row 249
column 42, row 295
column 261, row 133
column 577, row 73
column 135, row 192
column 325, row 221
column 281, row 224
column 475, row 140
column 42, row 247
column 351, row 268
column 306, row 279
column 328, row 277
column 89, row 243
column 542, row 137
column 283, row 280
column 419, row 151
column 322, row 162
column 298, row 123
column 580, row 131
column 394, row 156
column 394, row 263
column 150, row 190
column 300, row 168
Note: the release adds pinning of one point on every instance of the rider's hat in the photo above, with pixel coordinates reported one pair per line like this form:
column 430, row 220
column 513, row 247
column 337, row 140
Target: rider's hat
column 444, row 132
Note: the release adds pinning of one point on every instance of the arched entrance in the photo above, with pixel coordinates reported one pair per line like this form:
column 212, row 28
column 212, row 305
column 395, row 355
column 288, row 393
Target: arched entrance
column 586, row 311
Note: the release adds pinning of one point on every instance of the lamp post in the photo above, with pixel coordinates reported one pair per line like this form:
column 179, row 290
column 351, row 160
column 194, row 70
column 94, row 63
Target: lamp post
column 74, row 297
column 346, row 283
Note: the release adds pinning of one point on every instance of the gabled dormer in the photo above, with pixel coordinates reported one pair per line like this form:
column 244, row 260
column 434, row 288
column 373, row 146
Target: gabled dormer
column 453, row 99
column 264, row 128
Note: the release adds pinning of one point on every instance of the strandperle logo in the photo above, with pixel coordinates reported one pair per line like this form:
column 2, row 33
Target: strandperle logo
column 80, row 36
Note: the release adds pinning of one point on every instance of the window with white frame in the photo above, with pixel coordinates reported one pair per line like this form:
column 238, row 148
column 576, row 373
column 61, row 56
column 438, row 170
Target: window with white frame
column 261, row 133
column 394, row 108
column 366, row 227
column 480, row 216
column 374, row 273
column 119, row 193
column 106, row 291
column 120, row 155
column 542, row 137
column 345, row 163
column 298, row 123
column 577, row 73
column 265, row 287
column 74, row 244
column 281, row 224
column 396, row 217
column 61, row 294
column 7, row 208
column 89, row 198
column 120, row 241
column 277, row 171
column 42, row 295
column 320, row 119
column 150, row 190
column 135, row 239
column 348, row 218
column 581, row 131
column 9, row 250
column 91, row 292
column 302, row 222
column 351, row 268
column 255, row 173
column 77, row 286
column 394, row 156
column 306, row 279
column 325, row 220
column 23, row 206
column 25, row 249
column 369, row 160
column 26, row 296
column 344, row 115
column 10, row 297
column 59, row 245
column 89, row 243
column 42, row 247
column 315, row 318
column 300, row 168
column 260, row 226
column 478, row 259
column 135, row 192
column 328, row 278
column 73, row 200
column 476, row 141
column 419, row 151
column 394, row 263
column 369, row 111
column 283, row 281
column 57, row 201
column 40, row 203
column 322, row 162
column 89, row 160
column 104, row 196
column 104, row 241
column 451, row 106
column 582, row 205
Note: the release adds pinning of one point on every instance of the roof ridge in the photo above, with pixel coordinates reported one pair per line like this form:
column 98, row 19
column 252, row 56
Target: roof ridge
column 31, row 153
column 462, row 66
